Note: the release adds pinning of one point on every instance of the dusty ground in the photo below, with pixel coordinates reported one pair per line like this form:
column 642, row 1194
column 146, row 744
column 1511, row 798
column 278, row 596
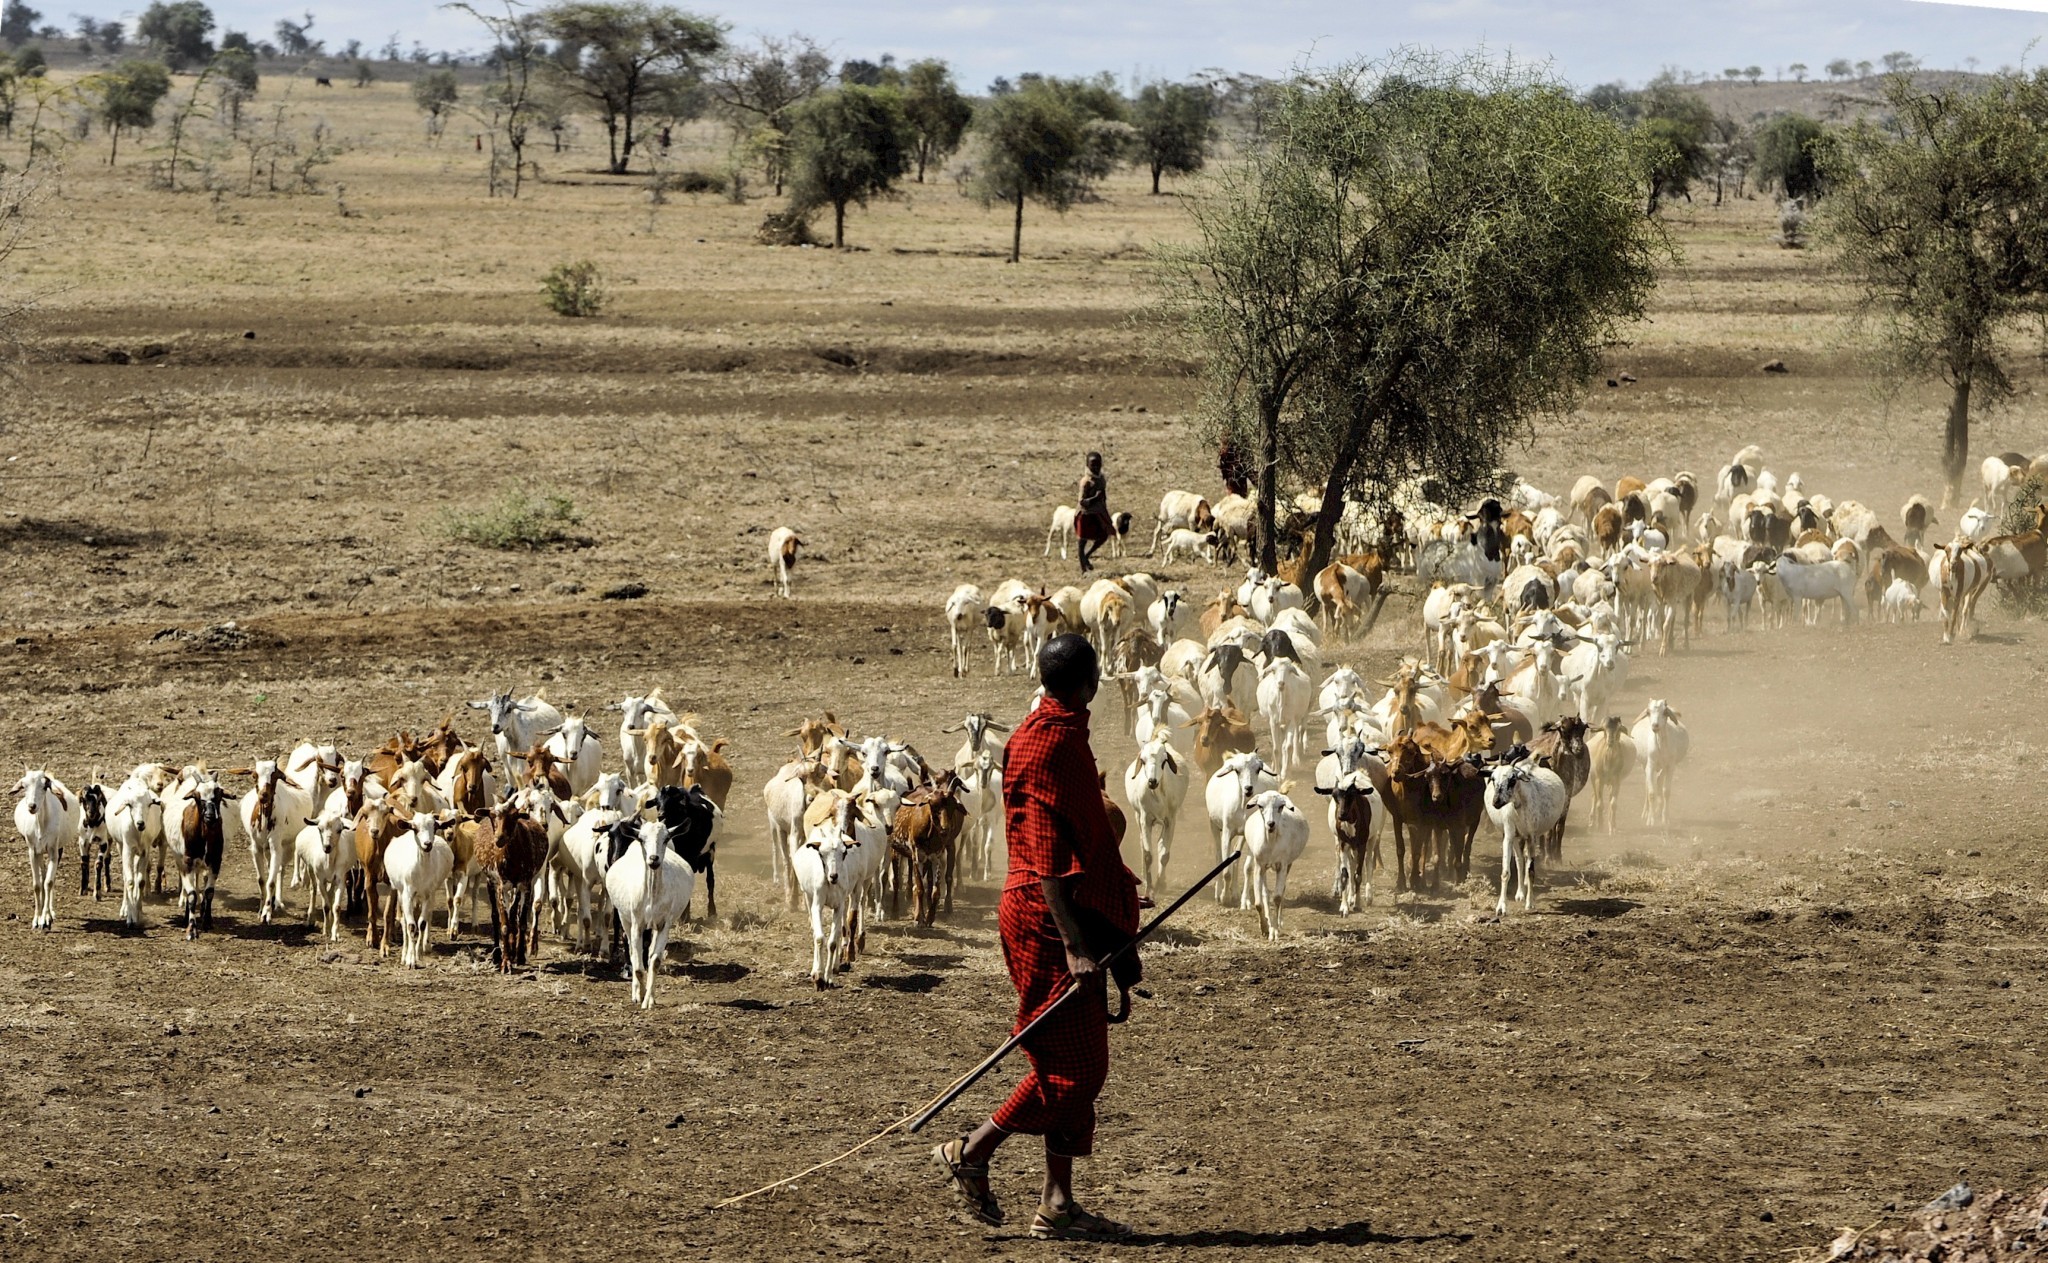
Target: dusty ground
column 1815, row 995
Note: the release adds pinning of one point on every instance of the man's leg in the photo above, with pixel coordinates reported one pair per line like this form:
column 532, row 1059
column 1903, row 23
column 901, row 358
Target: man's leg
column 982, row 1143
column 1058, row 1193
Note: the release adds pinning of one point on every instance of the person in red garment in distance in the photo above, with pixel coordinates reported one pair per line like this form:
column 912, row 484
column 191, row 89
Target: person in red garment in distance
column 1065, row 865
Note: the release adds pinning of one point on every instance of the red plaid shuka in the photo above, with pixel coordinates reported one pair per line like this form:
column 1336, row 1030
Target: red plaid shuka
column 1058, row 828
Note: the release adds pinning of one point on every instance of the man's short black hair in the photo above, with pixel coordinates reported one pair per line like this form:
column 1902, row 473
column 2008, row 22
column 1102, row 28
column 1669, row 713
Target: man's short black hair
column 1068, row 664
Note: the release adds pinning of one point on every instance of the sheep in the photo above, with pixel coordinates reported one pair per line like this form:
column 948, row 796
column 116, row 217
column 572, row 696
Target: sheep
column 1241, row 778
column 1180, row 510
column 1154, row 784
column 1900, row 599
column 1977, row 525
column 48, row 818
column 1061, row 530
column 325, row 859
column 820, row 866
column 966, row 609
column 418, row 863
column 1662, row 741
column 2001, row 481
column 1526, row 802
column 1185, row 543
column 577, row 749
column 1284, row 696
column 649, row 886
column 782, row 546
column 1917, row 515
column 1275, row 836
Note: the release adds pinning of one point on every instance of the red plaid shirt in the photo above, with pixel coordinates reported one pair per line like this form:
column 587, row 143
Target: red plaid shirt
column 1052, row 797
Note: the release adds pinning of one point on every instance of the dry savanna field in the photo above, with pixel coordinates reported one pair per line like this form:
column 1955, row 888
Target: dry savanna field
column 1814, row 998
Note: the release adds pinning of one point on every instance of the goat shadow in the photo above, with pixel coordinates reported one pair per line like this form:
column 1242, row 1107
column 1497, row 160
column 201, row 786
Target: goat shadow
column 908, row 984
column 1359, row 1232
column 114, row 926
column 1600, row 909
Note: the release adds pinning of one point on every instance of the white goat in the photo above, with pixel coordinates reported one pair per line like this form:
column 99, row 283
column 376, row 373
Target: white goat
column 1662, row 742
column 577, row 749
column 270, row 813
column 325, row 859
column 1155, row 784
column 135, row 821
column 635, row 714
column 1284, row 699
column 49, row 817
column 418, row 863
column 518, row 723
column 1275, row 836
column 782, row 546
column 965, row 610
column 650, row 886
column 1236, row 782
column 820, row 866
column 1526, row 802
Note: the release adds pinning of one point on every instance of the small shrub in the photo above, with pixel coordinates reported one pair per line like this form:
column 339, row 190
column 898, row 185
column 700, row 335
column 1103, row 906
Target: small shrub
column 785, row 228
column 516, row 519
column 575, row 289
column 697, row 182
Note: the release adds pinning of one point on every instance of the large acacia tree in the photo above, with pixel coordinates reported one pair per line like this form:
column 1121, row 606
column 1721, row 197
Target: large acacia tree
column 847, row 145
column 1418, row 259
column 622, row 53
column 1940, row 212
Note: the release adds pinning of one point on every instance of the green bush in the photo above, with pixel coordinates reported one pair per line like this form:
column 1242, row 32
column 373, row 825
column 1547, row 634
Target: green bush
column 575, row 289
column 516, row 519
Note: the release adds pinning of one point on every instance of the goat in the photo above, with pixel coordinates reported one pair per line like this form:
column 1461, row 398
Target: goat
column 48, row 818
column 1180, row 510
column 965, row 609
column 1351, row 826
column 418, row 862
column 511, row 849
column 1662, row 741
column 1275, row 836
column 1917, row 516
column 1061, row 530
column 782, row 546
column 786, row 795
column 1610, row 755
column 135, row 817
column 578, row 751
column 1965, row 573
column 95, row 846
column 819, row 863
column 325, row 861
column 649, row 886
column 202, row 837
column 269, row 814
column 1527, row 803
column 518, row 724
column 635, row 715
column 692, row 818
column 1227, row 796
column 378, row 825
column 1284, row 699
column 927, row 829
column 1155, row 783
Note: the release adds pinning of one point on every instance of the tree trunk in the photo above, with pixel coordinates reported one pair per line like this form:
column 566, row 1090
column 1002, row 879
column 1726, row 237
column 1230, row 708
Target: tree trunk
column 114, row 152
column 1955, row 447
column 920, row 164
column 1155, row 179
column 1017, row 231
column 1269, row 483
column 839, row 225
column 611, row 127
column 1331, row 513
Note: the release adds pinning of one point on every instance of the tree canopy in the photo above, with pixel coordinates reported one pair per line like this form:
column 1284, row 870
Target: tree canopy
column 1940, row 213
column 846, row 146
column 938, row 114
column 1415, row 260
column 18, row 23
column 127, row 96
column 1172, row 122
column 758, row 87
column 622, row 52
column 1787, row 154
column 1673, row 138
column 176, row 31
column 1046, row 140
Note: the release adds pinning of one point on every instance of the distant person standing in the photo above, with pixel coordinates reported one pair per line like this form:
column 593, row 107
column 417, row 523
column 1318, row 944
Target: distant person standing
column 1092, row 525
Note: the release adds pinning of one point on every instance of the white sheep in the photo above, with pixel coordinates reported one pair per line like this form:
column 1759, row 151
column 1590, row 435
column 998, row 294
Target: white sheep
column 1185, row 543
column 1275, row 836
column 1661, row 740
column 1180, row 510
column 1525, row 802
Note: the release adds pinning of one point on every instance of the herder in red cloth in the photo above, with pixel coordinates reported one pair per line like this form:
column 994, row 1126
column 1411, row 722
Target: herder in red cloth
column 1065, row 869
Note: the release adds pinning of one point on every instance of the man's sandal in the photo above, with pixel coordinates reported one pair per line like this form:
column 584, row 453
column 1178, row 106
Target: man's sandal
column 1075, row 1224
column 970, row 1179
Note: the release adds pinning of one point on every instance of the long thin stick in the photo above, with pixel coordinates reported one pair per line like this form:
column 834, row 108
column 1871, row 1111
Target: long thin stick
column 918, row 1118
column 989, row 1063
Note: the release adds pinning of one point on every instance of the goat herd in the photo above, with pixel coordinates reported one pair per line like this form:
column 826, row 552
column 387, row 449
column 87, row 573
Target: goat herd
column 1531, row 609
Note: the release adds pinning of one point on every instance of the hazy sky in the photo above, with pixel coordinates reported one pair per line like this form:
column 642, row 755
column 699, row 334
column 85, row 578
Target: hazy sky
column 1588, row 41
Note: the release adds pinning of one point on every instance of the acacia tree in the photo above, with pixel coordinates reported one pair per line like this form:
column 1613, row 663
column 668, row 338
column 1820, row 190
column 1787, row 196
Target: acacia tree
column 506, row 109
column 1046, row 140
column 127, row 96
column 1417, row 259
column 846, row 146
column 434, row 94
column 937, row 112
column 760, row 87
column 1172, row 122
column 624, row 53
column 1940, row 213
column 177, row 31
column 1786, row 154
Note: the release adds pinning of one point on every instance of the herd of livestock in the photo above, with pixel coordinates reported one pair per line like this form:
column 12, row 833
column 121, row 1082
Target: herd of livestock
column 1530, row 607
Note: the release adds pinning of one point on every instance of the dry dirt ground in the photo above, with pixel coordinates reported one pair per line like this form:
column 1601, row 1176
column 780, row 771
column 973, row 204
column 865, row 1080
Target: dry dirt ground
column 1815, row 995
